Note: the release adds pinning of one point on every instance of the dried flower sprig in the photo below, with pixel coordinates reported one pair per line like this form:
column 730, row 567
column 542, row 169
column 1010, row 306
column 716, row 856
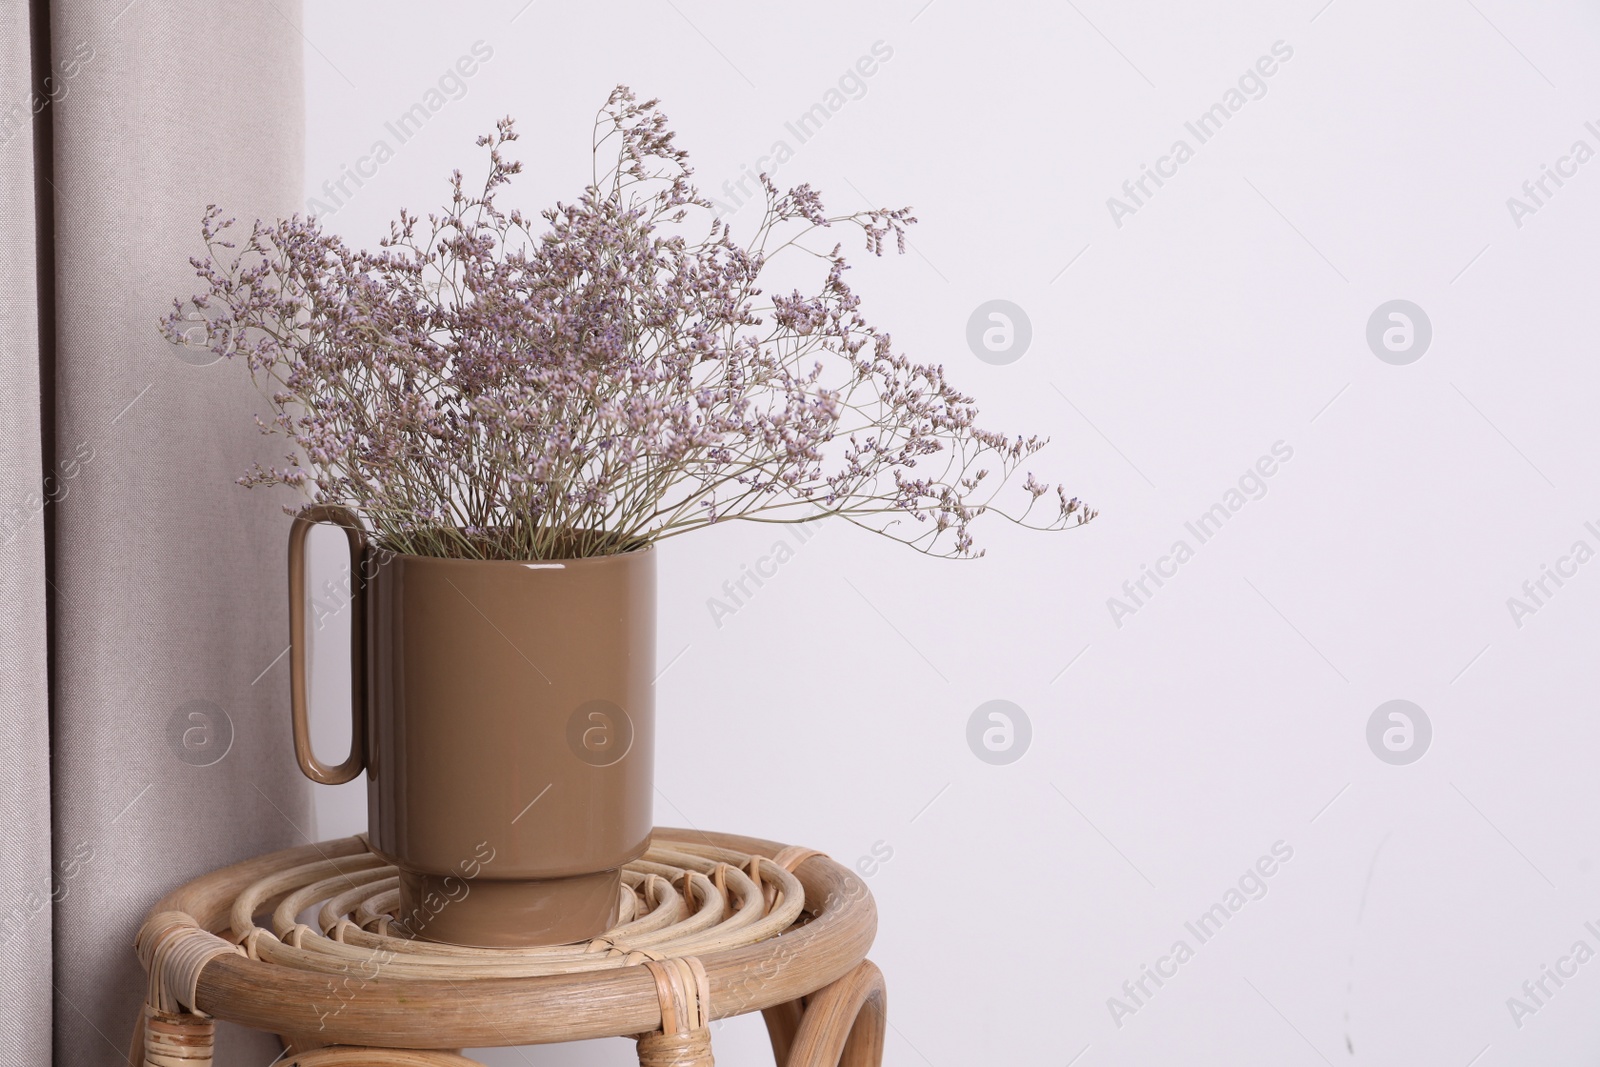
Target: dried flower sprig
column 616, row 379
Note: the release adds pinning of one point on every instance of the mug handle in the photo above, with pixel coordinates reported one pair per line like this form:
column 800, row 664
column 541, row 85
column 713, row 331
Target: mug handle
column 354, row 763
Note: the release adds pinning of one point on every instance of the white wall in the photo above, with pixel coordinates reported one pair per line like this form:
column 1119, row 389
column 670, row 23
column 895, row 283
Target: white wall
column 1229, row 312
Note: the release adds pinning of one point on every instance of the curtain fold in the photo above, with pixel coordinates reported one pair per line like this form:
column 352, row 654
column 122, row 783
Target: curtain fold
column 169, row 750
column 26, row 883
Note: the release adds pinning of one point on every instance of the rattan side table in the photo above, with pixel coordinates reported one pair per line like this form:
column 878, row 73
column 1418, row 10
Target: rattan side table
column 712, row 925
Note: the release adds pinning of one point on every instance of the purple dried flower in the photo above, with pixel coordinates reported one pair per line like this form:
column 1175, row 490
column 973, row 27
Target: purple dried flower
column 618, row 378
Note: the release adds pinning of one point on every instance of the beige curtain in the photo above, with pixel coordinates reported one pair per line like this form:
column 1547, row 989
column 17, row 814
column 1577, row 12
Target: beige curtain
column 145, row 725
column 24, row 724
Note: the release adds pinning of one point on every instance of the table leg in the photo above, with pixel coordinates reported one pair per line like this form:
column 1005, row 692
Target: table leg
column 691, row 1049
column 177, row 1039
column 783, row 1020
column 843, row 1024
column 684, row 1039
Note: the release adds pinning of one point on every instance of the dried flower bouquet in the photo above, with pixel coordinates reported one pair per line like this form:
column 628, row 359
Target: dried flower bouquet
column 604, row 377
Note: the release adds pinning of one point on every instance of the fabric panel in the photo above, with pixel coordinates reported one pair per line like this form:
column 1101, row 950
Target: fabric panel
column 171, row 729
column 26, row 880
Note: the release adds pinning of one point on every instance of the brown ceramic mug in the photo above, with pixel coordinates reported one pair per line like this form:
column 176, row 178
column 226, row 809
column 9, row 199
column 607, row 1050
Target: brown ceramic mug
column 504, row 714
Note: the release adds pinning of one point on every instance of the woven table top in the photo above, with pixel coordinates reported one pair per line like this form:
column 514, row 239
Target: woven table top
column 680, row 899
column 305, row 942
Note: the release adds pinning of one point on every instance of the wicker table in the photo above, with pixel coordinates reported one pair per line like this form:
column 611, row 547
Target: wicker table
column 712, row 925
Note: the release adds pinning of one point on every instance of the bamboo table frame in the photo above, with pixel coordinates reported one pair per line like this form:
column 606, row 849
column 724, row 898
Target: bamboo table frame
column 824, row 1003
